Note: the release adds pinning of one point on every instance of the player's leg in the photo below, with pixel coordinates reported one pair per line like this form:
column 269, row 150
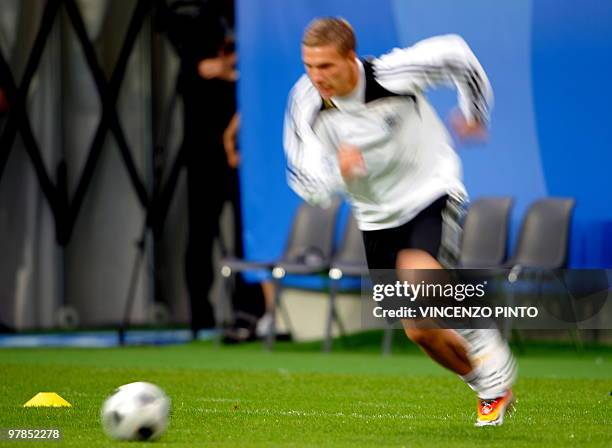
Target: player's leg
column 493, row 376
column 435, row 232
column 265, row 322
column 444, row 346
column 203, row 229
column 479, row 356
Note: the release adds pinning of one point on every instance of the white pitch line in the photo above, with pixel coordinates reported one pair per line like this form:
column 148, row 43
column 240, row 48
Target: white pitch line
column 356, row 404
column 297, row 413
column 223, row 400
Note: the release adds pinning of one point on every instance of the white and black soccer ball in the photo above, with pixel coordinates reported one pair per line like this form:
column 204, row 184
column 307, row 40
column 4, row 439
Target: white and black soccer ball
column 136, row 411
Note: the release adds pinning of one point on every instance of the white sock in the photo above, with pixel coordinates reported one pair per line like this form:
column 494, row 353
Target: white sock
column 494, row 366
column 472, row 378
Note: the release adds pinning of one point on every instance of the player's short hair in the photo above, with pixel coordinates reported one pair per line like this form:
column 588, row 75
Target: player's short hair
column 330, row 31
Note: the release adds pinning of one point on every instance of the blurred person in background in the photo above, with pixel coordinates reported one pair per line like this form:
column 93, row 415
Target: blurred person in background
column 202, row 33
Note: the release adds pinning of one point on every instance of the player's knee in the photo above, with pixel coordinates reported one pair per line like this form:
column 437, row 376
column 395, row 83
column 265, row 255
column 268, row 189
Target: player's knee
column 416, row 259
column 422, row 337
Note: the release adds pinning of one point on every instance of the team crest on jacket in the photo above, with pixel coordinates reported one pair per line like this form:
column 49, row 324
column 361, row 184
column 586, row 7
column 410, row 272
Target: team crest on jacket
column 391, row 121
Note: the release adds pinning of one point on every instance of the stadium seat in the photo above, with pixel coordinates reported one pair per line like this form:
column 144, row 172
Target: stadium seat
column 542, row 243
column 349, row 260
column 308, row 251
column 485, row 233
column 544, row 235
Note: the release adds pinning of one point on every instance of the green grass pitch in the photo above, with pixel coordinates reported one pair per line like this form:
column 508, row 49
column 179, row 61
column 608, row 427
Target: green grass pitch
column 296, row 396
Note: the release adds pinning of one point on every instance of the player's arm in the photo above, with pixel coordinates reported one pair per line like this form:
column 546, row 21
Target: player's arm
column 442, row 60
column 312, row 171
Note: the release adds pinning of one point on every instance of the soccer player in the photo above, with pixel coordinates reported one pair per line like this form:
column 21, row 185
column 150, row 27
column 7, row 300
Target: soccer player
column 365, row 128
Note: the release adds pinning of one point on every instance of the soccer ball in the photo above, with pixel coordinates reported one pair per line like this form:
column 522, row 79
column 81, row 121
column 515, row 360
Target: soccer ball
column 136, row 411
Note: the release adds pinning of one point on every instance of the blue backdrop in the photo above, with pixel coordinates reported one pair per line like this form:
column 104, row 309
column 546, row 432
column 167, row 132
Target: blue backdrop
column 550, row 65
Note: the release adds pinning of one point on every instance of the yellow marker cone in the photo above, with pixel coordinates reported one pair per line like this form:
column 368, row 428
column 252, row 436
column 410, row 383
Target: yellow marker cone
column 47, row 399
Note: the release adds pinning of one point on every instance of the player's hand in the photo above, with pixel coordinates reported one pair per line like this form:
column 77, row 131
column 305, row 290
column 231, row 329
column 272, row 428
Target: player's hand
column 222, row 67
column 230, row 137
column 350, row 161
column 473, row 130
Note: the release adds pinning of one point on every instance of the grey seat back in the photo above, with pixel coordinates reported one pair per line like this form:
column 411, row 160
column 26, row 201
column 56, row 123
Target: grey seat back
column 311, row 239
column 351, row 249
column 544, row 235
column 485, row 233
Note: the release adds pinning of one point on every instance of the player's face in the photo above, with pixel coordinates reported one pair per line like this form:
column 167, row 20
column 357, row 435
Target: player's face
column 332, row 73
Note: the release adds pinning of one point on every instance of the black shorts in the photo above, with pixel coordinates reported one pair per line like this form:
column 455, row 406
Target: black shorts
column 434, row 230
